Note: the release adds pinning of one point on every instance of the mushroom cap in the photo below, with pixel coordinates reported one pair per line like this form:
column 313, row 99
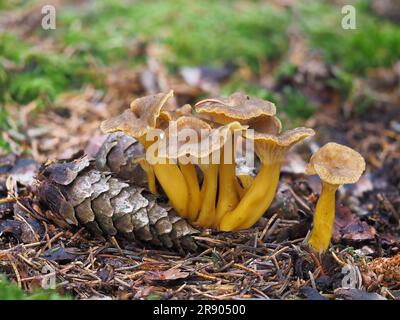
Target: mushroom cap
column 186, row 122
column 144, row 114
column 336, row 164
column 185, row 110
column 237, row 107
column 272, row 147
column 285, row 139
column 194, row 138
column 270, row 125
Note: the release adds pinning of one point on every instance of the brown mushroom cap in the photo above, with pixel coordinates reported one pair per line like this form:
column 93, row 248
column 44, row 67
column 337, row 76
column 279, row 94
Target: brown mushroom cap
column 145, row 114
column 271, row 125
column 237, row 107
column 185, row 110
column 336, row 164
column 271, row 147
column 207, row 140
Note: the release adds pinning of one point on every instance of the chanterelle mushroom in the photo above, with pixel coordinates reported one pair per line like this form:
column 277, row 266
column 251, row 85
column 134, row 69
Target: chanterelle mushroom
column 176, row 136
column 254, row 113
column 145, row 115
column 237, row 107
column 204, row 149
column 271, row 150
column 336, row 165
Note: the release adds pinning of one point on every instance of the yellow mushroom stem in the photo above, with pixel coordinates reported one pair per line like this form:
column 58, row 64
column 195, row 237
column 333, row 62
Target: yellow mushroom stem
column 244, row 185
column 208, row 195
column 151, row 181
column 240, row 190
column 172, row 181
column 174, row 185
column 255, row 201
column 228, row 197
column 324, row 218
column 192, row 182
column 148, row 169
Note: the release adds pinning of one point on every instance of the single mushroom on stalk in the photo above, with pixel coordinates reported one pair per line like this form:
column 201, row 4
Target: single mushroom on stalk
column 145, row 116
column 271, row 149
column 252, row 112
column 336, row 165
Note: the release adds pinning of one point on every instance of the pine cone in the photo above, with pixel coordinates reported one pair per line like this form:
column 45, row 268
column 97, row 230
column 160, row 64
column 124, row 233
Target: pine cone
column 78, row 193
column 117, row 155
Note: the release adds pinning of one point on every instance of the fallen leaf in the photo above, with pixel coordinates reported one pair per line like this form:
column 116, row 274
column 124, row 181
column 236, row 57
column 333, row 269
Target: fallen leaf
column 349, row 227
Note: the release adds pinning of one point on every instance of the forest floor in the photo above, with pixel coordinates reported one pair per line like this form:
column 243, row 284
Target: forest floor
column 58, row 85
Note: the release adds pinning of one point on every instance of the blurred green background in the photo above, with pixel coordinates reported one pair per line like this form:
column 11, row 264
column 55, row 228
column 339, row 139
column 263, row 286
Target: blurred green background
column 38, row 65
column 211, row 33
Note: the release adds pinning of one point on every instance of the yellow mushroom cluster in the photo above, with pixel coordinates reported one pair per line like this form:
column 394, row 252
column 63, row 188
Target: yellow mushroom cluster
column 222, row 201
column 207, row 192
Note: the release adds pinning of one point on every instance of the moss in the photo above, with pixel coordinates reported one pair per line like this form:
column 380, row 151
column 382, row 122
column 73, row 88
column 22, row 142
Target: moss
column 39, row 74
column 4, row 146
column 285, row 70
column 363, row 104
column 154, row 296
column 374, row 43
column 251, row 89
column 295, row 105
column 11, row 4
column 202, row 32
column 11, row 47
column 10, row 291
column 343, row 83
